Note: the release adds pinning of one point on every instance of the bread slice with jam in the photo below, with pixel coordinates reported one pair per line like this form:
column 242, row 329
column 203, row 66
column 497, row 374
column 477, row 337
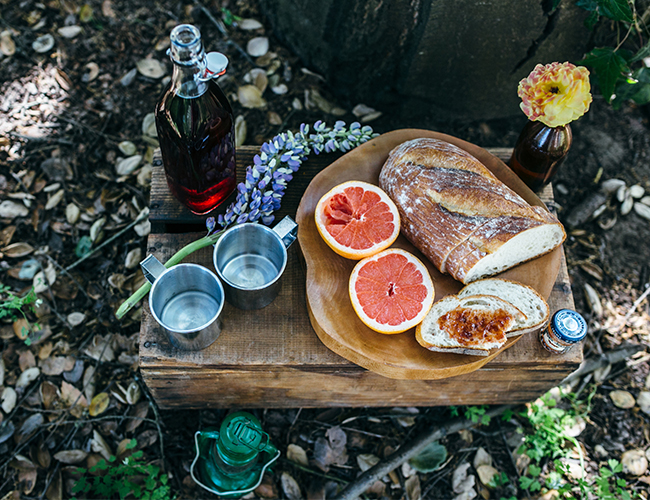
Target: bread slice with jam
column 523, row 297
column 469, row 325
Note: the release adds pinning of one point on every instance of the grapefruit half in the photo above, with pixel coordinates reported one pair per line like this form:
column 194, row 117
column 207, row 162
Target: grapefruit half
column 357, row 219
column 391, row 291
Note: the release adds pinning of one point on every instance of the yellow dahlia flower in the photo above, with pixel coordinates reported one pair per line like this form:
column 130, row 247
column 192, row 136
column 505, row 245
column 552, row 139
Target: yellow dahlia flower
column 555, row 94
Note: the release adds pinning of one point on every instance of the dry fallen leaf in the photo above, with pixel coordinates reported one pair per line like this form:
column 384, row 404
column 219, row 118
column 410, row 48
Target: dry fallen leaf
column 643, row 400
column 241, row 131
column 133, row 393
column 44, row 279
column 56, row 365
column 249, row 24
column 7, row 44
column 100, row 349
column 138, row 412
column 413, row 487
column 89, row 382
column 99, row 445
column 27, row 377
column 69, row 31
column 10, row 210
column 634, row 462
column 258, row 46
column 49, row 394
column 250, row 97
column 43, row 43
column 98, row 404
column 149, row 125
column 126, row 166
column 26, row 360
column 96, row 230
column 297, row 454
column 133, row 258
column 76, row 318
column 17, row 250
column 92, row 72
column 622, row 399
column 461, row 481
column 27, row 479
column 72, row 398
column 290, row 487
column 8, row 398
column 71, row 456
column 151, row 68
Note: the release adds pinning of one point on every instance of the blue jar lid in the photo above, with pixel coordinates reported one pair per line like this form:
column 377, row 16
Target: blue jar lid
column 569, row 326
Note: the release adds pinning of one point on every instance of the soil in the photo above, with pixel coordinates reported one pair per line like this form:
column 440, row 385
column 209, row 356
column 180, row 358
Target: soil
column 60, row 129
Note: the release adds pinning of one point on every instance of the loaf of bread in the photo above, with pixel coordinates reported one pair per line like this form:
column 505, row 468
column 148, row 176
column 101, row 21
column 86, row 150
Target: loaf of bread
column 458, row 214
column 469, row 325
column 523, row 297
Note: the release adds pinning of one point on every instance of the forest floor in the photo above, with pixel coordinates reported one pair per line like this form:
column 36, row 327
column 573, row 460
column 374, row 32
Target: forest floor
column 74, row 103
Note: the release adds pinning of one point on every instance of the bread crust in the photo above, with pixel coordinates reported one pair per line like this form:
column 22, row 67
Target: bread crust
column 452, row 208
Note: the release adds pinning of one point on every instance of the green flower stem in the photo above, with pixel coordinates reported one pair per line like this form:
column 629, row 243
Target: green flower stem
column 139, row 294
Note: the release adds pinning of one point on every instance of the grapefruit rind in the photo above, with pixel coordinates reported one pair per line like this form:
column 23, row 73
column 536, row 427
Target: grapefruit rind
column 426, row 302
column 347, row 251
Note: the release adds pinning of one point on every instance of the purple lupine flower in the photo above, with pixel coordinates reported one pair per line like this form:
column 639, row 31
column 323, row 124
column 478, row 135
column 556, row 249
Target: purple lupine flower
column 275, row 165
column 210, row 223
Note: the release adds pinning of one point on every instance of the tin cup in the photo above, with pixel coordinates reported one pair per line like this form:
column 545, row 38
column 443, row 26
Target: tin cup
column 186, row 300
column 250, row 259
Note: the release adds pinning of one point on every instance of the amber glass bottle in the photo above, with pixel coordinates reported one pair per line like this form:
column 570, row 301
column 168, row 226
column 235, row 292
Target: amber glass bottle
column 196, row 128
column 539, row 152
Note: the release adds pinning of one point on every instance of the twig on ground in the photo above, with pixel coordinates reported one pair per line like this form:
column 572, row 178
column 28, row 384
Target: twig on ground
column 65, row 271
column 224, row 33
column 512, row 458
column 633, row 308
column 152, row 403
column 408, row 450
column 611, row 357
column 313, row 472
column 144, row 214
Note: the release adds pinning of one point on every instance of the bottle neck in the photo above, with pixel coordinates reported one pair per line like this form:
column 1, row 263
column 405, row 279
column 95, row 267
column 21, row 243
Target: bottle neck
column 189, row 60
column 186, row 81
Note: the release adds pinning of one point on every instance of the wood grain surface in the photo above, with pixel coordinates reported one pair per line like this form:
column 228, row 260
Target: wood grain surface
column 272, row 358
column 328, row 302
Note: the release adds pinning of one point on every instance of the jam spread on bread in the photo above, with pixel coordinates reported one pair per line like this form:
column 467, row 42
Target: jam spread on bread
column 475, row 327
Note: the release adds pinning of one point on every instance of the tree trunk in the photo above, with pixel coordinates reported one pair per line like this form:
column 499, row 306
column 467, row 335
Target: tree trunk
column 454, row 59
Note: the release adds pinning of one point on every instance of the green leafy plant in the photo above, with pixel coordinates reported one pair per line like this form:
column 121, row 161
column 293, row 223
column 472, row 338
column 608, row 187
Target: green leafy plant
column 130, row 477
column 11, row 306
column 605, row 486
column 530, row 482
column 619, row 69
column 477, row 414
column 228, row 17
column 548, row 438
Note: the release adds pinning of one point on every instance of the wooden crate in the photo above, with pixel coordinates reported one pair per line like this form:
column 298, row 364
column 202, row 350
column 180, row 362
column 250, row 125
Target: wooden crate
column 272, row 358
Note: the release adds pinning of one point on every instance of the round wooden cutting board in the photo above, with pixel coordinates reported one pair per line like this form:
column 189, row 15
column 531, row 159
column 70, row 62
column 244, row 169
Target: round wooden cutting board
column 331, row 313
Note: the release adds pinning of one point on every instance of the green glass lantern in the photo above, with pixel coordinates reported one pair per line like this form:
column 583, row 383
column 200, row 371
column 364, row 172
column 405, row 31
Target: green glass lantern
column 231, row 462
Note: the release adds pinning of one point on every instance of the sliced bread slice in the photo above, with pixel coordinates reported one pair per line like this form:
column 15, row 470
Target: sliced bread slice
column 469, row 325
column 523, row 297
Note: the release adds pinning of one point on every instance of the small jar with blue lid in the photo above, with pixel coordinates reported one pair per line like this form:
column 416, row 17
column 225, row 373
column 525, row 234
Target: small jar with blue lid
column 565, row 329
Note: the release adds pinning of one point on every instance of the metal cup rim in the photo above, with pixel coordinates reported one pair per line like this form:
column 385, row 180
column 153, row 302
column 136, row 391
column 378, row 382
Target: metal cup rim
column 207, row 323
column 239, row 227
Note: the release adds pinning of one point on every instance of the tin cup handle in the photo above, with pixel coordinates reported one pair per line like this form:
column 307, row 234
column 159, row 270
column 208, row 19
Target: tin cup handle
column 287, row 230
column 152, row 268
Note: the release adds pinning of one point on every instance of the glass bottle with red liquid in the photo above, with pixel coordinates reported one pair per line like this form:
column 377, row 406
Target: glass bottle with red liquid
column 195, row 124
column 539, row 152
